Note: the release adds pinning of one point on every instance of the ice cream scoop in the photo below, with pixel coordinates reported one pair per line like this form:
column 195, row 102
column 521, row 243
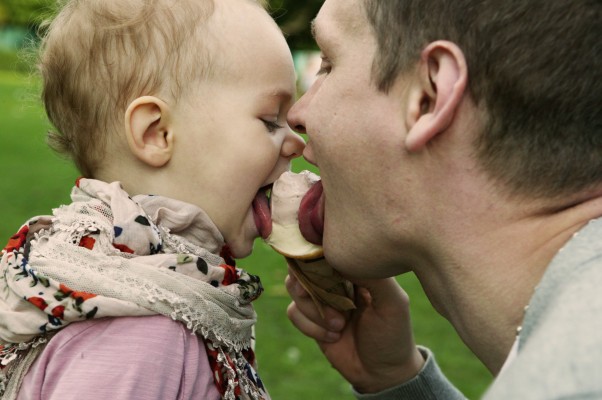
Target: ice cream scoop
column 286, row 236
column 294, row 194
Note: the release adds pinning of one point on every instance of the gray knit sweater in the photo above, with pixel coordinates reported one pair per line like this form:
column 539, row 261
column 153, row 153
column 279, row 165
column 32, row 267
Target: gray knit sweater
column 560, row 345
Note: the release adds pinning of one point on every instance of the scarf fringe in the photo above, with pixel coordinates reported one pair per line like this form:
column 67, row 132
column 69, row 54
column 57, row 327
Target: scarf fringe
column 21, row 358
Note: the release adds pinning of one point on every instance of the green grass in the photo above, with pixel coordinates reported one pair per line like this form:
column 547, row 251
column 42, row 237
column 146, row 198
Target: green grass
column 35, row 180
column 12, row 60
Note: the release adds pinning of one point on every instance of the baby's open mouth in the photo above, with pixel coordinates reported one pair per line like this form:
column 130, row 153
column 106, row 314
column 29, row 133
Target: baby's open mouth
column 261, row 211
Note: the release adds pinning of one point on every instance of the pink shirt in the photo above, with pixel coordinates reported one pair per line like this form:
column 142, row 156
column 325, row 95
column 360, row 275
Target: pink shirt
column 121, row 359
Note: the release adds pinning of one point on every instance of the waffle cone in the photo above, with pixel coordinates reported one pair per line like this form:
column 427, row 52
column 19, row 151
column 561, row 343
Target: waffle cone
column 324, row 284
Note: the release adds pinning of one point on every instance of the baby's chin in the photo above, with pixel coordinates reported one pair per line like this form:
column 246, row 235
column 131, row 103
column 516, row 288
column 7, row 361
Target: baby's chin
column 240, row 250
column 241, row 246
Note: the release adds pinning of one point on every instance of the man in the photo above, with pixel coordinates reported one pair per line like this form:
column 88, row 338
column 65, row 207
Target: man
column 462, row 141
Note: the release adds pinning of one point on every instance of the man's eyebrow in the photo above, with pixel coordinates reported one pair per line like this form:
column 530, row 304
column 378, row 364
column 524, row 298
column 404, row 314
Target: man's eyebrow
column 317, row 33
column 280, row 94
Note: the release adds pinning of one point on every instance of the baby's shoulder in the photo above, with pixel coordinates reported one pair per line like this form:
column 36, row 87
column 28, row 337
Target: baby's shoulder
column 123, row 332
column 121, row 358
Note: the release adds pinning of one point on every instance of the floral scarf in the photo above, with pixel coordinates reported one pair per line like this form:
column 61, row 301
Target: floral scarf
column 109, row 255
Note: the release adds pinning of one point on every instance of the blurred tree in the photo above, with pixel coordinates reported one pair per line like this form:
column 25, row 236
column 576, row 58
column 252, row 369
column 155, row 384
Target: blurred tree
column 24, row 12
column 294, row 17
column 3, row 14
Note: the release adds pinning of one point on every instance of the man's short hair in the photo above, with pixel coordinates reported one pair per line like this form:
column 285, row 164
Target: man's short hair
column 534, row 68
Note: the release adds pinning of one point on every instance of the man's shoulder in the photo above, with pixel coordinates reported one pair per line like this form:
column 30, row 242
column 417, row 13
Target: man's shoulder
column 560, row 355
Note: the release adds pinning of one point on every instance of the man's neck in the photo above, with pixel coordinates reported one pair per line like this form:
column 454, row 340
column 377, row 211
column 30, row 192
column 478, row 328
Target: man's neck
column 486, row 273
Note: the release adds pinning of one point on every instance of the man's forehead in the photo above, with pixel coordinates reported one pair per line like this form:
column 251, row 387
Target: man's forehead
column 346, row 17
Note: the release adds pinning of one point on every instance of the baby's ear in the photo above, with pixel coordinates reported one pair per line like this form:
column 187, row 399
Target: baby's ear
column 148, row 130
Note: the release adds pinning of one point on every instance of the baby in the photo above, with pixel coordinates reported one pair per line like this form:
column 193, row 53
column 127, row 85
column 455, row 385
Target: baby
column 175, row 112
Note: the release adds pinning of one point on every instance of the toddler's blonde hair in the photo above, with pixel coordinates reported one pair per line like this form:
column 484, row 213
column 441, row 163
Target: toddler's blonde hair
column 97, row 56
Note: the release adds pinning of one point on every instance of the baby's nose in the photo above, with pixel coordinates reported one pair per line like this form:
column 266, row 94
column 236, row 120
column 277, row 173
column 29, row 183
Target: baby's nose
column 293, row 145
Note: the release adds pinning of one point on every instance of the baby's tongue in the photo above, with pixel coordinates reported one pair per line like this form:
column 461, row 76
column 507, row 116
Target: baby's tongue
column 262, row 214
column 311, row 214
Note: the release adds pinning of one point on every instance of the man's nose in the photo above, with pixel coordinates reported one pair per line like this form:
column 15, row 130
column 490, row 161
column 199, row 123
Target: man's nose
column 295, row 116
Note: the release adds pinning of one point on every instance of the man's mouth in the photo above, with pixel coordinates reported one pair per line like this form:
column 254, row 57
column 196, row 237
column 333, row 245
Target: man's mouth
column 311, row 214
column 261, row 211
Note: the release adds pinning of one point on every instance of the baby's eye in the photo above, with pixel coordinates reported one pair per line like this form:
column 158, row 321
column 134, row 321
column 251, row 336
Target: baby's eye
column 271, row 125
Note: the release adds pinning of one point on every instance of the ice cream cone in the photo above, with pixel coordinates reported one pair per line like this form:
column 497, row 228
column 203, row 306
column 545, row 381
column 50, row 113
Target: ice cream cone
column 324, row 284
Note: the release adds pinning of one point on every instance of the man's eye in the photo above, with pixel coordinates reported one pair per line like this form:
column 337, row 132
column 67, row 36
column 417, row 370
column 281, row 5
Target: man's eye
column 325, row 66
column 271, row 125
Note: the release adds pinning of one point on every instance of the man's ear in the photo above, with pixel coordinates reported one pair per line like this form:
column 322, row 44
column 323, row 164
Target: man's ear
column 148, row 130
column 441, row 84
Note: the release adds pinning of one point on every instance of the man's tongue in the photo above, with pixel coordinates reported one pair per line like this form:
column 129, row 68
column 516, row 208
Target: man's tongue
column 262, row 214
column 311, row 214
